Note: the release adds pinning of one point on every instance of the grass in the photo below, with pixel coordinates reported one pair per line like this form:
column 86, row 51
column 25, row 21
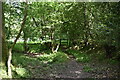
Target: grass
column 20, row 72
column 112, row 61
column 21, row 62
column 87, row 68
column 80, row 56
column 17, row 47
column 3, row 73
column 58, row 57
column 101, row 57
column 98, row 56
column 35, row 48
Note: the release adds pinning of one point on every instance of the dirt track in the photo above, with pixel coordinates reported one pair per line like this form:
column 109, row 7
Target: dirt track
column 74, row 70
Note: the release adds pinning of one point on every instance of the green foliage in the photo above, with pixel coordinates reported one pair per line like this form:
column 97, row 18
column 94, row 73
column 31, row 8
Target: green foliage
column 18, row 47
column 46, row 58
column 3, row 73
column 80, row 56
column 87, row 68
column 95, row 23
column 83, row 58
column 20, row 63
column 112, row 61
column 101, row 57
column 58, row 57
column 21, row 60
column 34, row 48
column 22, row 72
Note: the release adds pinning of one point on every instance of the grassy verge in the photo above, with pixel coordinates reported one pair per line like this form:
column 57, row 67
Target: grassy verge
column 23, row 63
column 80, row 56
column 58, row 57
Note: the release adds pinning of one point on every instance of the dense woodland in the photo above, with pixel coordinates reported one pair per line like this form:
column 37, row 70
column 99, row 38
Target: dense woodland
column 44, row 39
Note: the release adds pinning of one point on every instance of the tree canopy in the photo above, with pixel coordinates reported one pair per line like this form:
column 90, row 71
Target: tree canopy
column 50, row 25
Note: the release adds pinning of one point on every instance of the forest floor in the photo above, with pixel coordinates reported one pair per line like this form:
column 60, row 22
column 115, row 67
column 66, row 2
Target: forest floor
column 75, row 70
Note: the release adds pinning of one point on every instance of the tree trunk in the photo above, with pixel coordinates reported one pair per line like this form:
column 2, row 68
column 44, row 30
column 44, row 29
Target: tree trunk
column 53, row 42
column 57, row 48
column 25, row 42
column 10, row 50
column 3, row 45
column 35, row 22
column 1, row 32
column 52, row 39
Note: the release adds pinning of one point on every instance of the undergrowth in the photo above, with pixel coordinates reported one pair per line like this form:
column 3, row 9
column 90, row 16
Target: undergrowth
column 80, row 56
column 17, row 47
column 3, row 71
column 22, row 62
column 87, row 68
column 54, row 57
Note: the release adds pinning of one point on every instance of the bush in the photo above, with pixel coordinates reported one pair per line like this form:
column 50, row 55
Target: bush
column 83, row 58
column 112, row 61
column 20, row 65
column 22, row 72
column 87, row 68
column 18, row 47
column 58, row 57
column 80, row 57
column 35, row 48
column 3, row 73
column 46, row 58
column 22, row 60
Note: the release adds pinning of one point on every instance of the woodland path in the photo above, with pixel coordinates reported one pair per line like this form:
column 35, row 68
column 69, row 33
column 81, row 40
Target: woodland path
column 74, row 70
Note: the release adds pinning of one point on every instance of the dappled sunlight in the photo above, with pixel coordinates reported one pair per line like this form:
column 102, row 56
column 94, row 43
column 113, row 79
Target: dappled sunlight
column 60, row 40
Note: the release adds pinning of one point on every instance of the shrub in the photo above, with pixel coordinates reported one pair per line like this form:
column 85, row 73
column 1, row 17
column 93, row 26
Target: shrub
column 22, row 60
column 60, row 57
column 22, row 72
column 18, row 47
column 87, row 69
column 83, row 58
column 46, row 58
column 3, row 69
column 80, row 57
column 112, row 61
column 34, row 48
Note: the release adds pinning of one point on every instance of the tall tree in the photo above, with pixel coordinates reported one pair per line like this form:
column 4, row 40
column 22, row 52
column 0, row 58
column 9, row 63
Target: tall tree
column 17, row 37
column 4, row 50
